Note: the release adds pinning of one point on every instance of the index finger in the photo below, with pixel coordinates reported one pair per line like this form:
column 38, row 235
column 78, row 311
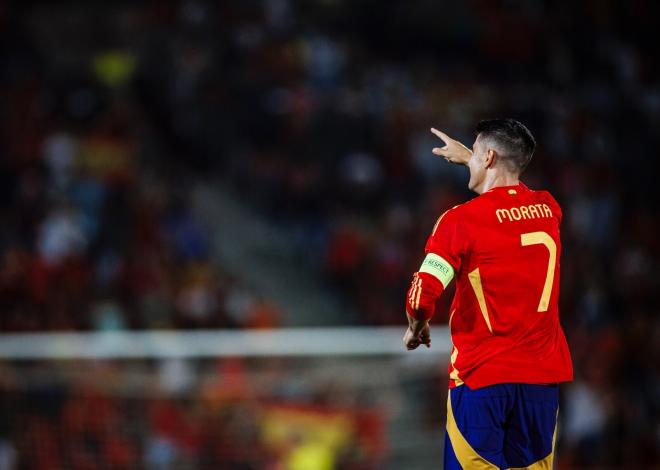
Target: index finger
column 441, row 134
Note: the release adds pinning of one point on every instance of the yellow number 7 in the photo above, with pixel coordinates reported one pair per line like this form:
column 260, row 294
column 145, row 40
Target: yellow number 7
column 526, row 239
column 542, row 238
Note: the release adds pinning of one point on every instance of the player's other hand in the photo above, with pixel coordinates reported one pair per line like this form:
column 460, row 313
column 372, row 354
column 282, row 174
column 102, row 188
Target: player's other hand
column 413, row 341
column 453, row 151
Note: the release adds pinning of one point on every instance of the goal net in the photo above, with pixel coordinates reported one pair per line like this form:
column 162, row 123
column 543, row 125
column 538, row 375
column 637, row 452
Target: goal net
column 340, row 398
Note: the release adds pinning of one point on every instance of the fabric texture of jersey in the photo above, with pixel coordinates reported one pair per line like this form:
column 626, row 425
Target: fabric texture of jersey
column 504, row 249
column 504, row 426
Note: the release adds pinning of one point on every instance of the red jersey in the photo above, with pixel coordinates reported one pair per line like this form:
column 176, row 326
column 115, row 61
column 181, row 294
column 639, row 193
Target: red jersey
column 503, row 249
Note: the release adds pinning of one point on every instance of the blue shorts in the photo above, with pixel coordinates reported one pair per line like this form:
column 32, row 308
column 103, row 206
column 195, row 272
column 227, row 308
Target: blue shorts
column 501, row 426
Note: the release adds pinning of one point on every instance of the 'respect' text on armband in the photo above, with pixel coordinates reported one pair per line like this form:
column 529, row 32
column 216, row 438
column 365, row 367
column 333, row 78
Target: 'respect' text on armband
column 438, row 267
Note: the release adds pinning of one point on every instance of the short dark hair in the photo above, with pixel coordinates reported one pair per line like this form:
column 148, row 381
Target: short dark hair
column 515, row 142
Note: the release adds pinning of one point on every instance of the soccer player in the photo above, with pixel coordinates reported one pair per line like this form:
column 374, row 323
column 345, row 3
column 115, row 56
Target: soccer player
column 509, row 351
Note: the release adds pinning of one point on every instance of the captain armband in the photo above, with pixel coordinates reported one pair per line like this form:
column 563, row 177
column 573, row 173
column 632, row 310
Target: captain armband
column 438, row 267
column 427, row 286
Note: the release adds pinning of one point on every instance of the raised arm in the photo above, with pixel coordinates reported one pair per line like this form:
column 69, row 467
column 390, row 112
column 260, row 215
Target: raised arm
column 453, row 151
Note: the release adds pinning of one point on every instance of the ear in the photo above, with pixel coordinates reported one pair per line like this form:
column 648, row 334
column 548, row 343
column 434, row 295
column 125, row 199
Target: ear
column 491, row 158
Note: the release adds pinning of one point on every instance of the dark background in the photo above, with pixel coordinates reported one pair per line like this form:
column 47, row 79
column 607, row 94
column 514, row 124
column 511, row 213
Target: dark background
column 315, row 115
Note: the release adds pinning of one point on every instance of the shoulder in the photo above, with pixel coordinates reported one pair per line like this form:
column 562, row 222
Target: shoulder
column 463, row 211
column 447, row 218
column 451, row 219
column 549, row 199
column 448, row 236
column 474, row 204
column 471, row 210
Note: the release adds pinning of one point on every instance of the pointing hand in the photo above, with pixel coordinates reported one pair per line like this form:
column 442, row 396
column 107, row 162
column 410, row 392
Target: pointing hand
column 453, row 151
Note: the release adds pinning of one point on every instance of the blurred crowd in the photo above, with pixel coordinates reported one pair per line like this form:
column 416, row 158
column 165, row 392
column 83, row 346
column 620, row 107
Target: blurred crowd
column 317, row 114
column 98, row 228
column 224, row 414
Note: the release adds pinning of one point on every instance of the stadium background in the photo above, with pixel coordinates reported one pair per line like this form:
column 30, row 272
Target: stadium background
column 266, row 164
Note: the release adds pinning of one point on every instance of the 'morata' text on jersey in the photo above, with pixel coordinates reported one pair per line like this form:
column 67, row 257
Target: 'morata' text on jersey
column 530, row 211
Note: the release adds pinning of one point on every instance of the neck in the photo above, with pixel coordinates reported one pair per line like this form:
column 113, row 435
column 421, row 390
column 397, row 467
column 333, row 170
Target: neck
column 498, row 179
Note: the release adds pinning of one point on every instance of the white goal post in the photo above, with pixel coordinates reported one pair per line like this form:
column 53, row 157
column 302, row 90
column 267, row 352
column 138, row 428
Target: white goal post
column 359, row 341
